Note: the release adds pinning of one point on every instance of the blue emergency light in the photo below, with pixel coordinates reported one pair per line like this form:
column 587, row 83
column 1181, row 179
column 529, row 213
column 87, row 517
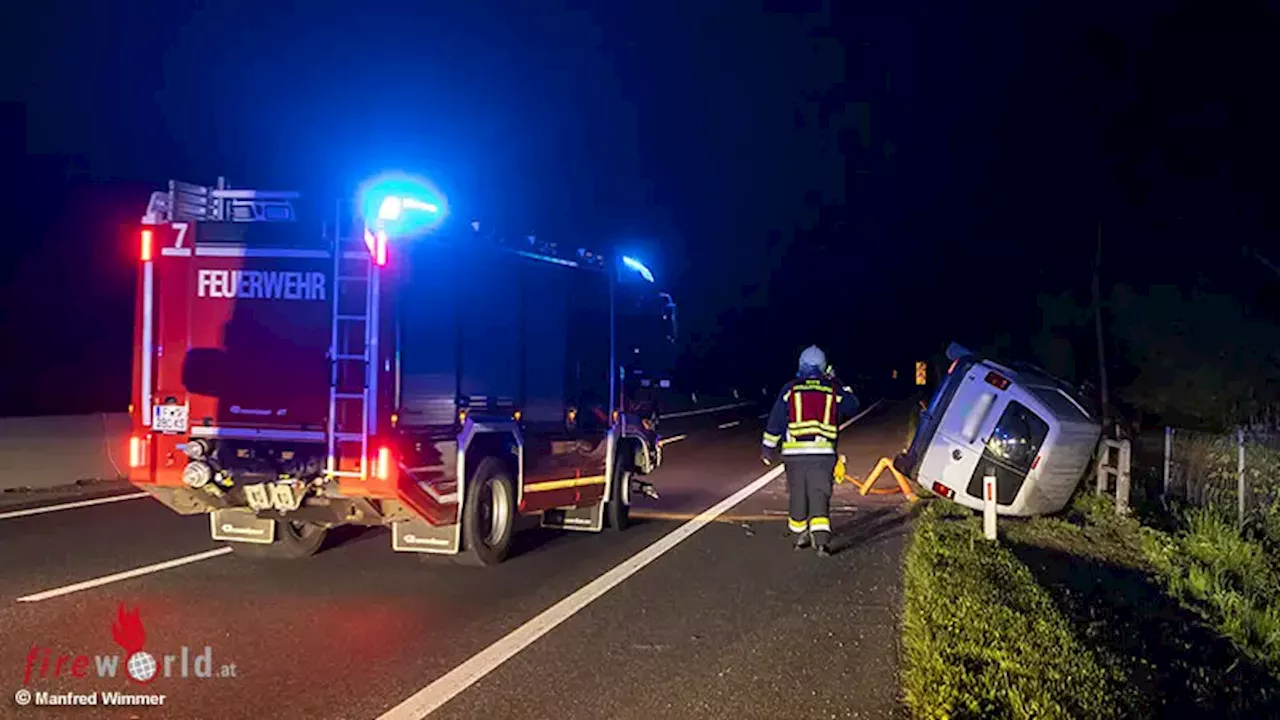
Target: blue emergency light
column 638, row 267
column 393, row 207
column 401, row 204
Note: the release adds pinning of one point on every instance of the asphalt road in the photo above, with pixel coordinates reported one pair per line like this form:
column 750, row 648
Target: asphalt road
column 727, row 620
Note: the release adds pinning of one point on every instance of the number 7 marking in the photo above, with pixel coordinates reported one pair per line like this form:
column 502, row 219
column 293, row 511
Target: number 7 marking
column 181, row 227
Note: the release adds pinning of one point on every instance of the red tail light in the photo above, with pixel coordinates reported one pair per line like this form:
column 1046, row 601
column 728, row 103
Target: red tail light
column 944, row 491
column 382, row 466
column 377, row 244
column 380, row 256
column 147, row 237
column 1035, row 462
column 137, row 452
column 999, row 381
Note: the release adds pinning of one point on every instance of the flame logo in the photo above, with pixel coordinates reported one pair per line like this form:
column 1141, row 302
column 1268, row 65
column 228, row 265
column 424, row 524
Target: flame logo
column 129, row 634
column 127, row 630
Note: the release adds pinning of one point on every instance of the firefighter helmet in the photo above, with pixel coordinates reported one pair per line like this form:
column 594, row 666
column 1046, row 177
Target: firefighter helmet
column 813, row 360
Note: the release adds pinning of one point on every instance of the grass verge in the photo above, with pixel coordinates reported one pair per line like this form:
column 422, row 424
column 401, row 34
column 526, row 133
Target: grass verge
column 1088, row 615
column 981, row 638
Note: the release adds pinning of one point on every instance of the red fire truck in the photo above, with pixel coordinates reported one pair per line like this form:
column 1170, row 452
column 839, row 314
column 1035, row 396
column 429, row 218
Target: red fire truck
column 295, row 372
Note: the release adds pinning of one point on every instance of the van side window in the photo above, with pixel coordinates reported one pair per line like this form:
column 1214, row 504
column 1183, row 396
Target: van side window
column 1017, row 437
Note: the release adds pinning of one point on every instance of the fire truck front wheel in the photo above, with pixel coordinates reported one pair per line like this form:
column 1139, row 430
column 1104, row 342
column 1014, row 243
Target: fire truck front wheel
column 488, row 515
column 617, row 507
column 293, row 540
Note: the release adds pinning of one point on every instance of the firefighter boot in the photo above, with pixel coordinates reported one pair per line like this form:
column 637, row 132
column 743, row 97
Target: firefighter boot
column 802, row 540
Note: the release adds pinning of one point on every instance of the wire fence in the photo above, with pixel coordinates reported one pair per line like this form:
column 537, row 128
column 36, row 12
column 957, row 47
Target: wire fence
column 1237, row 473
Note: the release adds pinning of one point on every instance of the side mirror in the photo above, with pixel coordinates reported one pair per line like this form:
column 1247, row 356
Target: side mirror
column 669, row 314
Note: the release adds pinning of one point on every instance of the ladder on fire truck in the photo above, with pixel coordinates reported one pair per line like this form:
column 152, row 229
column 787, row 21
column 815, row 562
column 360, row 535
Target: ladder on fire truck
column 353, row 353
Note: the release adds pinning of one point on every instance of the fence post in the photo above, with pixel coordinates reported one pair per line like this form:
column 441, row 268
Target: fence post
column 1104, row 460
column 1123, row 478
column 1168, row 460
column 1240, row 484
column 989, row 505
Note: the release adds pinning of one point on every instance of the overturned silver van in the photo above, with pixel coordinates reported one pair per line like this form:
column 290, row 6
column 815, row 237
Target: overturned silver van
column 1018, row 422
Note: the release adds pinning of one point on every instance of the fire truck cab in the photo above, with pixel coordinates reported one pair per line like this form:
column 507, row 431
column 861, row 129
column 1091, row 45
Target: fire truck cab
column 296, row 371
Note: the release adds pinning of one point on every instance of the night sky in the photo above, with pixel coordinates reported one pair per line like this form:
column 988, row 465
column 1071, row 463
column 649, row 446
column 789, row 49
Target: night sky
column 880, row 178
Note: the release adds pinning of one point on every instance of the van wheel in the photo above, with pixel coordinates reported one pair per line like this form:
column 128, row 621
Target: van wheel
column 488, row 515
column 618, row 512
column 294, row 540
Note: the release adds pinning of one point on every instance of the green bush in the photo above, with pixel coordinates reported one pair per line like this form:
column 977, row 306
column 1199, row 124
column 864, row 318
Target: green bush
column 982, row 639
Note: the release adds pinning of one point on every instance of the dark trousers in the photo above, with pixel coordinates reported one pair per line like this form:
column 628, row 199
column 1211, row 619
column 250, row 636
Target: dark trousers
column 809, row 480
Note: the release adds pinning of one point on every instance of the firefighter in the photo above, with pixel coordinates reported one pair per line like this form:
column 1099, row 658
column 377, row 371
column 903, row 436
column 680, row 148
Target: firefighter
column 804, row 421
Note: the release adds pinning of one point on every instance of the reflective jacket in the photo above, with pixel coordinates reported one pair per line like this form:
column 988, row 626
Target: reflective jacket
column 805, row 418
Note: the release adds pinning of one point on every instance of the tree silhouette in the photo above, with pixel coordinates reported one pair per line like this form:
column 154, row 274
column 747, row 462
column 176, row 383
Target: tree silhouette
column 1194, row 358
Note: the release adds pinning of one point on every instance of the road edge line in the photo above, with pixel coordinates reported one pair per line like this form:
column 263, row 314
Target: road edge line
column 704, row 411
column 860, row 415
column 41, row 509
column 124, row 575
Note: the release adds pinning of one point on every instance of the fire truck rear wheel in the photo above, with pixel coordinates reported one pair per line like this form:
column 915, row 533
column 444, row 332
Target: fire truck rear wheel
column 488, row 515
column 294, row 540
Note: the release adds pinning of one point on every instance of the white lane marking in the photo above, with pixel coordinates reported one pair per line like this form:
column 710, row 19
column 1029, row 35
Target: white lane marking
column 454, row 682
column 704, row 411
column 71, row 505
column 858, row 417
column 726, row 426
column 673, row 438
column 431, row 697
column 126, row 575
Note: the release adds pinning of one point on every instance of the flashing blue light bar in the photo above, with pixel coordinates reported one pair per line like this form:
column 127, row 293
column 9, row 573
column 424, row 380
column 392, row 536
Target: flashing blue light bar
column 393, row 205
column 390, row 208
column 638, row 267
column 402, row 204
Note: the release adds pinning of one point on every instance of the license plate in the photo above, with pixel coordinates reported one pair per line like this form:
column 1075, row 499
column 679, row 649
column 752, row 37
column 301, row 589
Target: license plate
column 285, row 497
column 169, row 418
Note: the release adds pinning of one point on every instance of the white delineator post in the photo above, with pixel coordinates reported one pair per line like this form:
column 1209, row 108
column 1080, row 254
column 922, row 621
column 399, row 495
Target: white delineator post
column 989, row 506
